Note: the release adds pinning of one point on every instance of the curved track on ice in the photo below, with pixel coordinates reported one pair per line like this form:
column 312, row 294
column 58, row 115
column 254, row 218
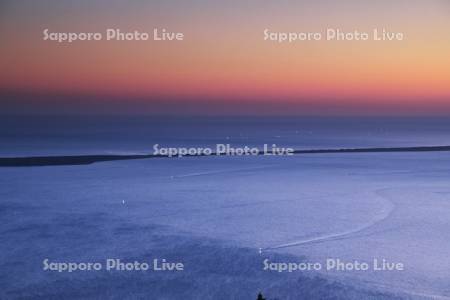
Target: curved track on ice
column 382, row 215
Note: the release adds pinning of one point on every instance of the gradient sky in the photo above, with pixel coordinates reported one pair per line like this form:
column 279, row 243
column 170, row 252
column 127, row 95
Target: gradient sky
column 223, row 66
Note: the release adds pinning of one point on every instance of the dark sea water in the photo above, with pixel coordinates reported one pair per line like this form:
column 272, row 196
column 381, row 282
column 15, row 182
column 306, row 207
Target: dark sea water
column 50, row 135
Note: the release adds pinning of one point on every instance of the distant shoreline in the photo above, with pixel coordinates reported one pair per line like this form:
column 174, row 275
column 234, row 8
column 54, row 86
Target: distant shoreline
column 40, row 161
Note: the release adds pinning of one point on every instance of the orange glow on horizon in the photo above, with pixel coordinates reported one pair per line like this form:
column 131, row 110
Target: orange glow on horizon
column 239, row 65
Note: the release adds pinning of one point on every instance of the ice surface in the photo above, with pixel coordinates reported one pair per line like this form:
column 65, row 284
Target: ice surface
column 216, row 213
column 347, row 206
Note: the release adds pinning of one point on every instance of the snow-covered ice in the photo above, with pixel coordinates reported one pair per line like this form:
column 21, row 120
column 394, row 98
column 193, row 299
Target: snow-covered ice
column 222, row 216
column 347, row 206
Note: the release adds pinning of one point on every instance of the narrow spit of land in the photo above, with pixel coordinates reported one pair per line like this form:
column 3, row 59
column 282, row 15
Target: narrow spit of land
column 36, row 161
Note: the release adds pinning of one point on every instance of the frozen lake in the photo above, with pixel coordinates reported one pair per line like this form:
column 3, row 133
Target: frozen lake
column 216, row 213
column 352, row 207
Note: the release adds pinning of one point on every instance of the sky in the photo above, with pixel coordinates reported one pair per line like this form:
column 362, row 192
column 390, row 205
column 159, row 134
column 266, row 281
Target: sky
column 223, row 65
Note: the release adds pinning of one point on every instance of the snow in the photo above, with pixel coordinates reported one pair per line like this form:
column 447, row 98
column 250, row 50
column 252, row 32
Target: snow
column 347, row 206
